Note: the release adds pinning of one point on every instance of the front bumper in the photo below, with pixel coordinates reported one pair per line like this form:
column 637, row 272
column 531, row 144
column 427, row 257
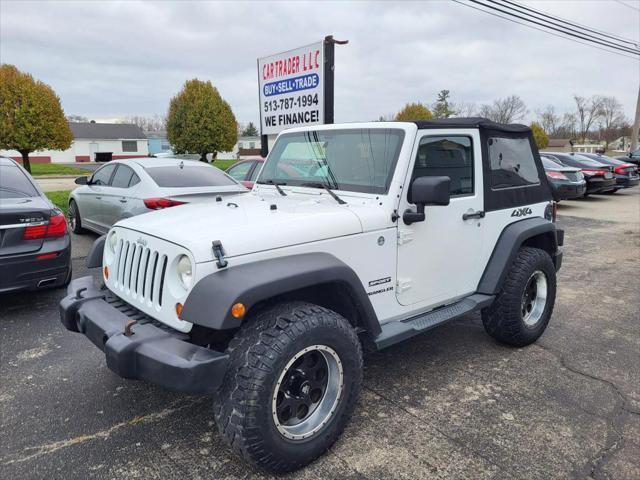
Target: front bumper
column 153, row 353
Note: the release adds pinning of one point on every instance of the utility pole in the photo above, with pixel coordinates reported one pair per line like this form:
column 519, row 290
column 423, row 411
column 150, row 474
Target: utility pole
column 636, row 126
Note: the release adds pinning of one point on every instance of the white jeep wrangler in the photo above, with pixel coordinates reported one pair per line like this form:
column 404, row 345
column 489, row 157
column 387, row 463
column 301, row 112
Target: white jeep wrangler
column 355, row 235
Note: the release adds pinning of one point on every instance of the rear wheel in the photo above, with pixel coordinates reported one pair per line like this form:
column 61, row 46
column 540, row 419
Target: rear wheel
column 292, row 383
column 75, row 222
column 523, row 307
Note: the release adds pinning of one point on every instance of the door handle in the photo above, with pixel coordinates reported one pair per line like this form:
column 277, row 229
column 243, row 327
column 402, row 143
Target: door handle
column 98, row 198
column 468, row 216
column 123, row 200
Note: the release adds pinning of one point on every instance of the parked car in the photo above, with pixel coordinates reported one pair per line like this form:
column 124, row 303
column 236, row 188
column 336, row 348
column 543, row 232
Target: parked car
column 270, row 304
column 626, row 173
column 246, row 171
column 35, row 248
column 565, row 182
column 125, row 188
column 631, row 157
column 599, row 177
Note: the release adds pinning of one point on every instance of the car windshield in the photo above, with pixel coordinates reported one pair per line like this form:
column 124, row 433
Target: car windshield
column 15, row 184
column 189, row 176
column 358, row 160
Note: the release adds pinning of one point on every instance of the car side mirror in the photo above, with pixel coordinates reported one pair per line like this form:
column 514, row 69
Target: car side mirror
column 426, row 191
column 82, row 181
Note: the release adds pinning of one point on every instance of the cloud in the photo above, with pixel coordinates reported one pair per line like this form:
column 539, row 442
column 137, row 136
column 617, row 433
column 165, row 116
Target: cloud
column 109, row 59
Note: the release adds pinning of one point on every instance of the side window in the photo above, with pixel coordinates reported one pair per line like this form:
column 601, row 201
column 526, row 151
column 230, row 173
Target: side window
column 240, row 171
column 450, row 156
column 512, row 163
column 134, row 180
column 102, row 176
column 255, row 172
column 129, row 146
column 122, row 177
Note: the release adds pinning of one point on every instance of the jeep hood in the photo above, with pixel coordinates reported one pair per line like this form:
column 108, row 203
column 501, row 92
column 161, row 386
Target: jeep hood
column 248, row 223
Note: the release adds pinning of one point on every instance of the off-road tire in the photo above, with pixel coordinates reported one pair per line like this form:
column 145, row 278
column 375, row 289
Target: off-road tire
column 503, row 320
column 258, row 355
column 74, row 213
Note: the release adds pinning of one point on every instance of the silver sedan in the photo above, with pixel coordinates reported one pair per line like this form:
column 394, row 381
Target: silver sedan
column 124, row 188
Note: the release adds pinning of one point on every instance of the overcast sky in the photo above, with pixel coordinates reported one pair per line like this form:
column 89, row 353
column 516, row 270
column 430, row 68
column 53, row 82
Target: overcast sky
column 112, row 59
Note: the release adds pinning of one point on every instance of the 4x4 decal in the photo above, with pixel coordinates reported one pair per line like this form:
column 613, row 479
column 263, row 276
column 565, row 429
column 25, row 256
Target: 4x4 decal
column 521, row 212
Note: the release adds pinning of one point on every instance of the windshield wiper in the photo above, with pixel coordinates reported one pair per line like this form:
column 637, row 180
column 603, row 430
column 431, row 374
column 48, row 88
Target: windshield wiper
column 326, row 187
column 275, row 184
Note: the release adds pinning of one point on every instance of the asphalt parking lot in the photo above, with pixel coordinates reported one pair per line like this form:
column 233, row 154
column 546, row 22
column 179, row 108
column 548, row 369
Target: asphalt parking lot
column 449, row 404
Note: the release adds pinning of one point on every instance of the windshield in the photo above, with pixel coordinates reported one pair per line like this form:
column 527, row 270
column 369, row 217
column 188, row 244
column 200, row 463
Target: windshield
column 358, row 160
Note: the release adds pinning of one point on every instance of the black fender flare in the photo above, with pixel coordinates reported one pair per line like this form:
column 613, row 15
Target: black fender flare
column 209, row 302
column 511, row 239
column 94, row 258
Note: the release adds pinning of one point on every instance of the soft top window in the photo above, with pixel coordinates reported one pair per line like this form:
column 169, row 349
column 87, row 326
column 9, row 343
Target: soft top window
column 189, row 176
column 15, row 184
column 512, row 163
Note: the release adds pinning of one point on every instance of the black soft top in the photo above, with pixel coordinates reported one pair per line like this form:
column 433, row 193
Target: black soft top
column 472, row 122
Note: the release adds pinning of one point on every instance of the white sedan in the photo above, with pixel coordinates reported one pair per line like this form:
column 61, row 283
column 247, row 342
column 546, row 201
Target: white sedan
column 125, row 188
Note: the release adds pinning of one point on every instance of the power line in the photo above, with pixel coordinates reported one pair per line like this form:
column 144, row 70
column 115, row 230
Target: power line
column 527, row 18
column 627, row 5
column 617, row 38
column 542, row 30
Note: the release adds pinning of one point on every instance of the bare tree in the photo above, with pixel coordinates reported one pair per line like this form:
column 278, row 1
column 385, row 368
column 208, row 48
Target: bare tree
column 567, row 126
column 588, row 110
column 549, row 120
column 466, row 109
column 504, row 110
column 611, row 119
column 154, row 123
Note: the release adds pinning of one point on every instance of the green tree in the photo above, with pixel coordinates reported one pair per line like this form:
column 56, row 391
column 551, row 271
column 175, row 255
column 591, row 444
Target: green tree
column 200, row 121
column 414, row 111
column 250, row 130
column 31, row 117
column 442, row 107
column 539, row 135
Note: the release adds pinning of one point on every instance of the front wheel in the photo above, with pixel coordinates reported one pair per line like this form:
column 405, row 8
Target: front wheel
column 523, row 307
column 293, row 380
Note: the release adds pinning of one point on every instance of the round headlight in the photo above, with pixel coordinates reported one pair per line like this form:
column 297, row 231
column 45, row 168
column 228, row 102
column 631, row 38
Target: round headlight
column 185, row 271
column 113, row 242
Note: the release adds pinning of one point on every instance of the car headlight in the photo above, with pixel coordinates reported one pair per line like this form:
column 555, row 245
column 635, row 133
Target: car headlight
column 113, row 242
column 185, row 271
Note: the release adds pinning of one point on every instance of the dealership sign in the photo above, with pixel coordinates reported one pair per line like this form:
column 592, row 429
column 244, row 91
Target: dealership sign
column 292, row 89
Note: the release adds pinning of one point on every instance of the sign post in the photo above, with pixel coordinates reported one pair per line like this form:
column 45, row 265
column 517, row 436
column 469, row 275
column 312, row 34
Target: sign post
column 296, row 88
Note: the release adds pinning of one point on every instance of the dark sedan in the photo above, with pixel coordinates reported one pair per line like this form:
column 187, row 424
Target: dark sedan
column 626, row 173
column 35, row 247
column 246, row 171
column 565, row 182
column 632, row 157
column 599, row 177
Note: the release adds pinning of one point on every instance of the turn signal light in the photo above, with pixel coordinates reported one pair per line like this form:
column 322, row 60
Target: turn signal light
column 238, row 310
column 106, row 272
column 160, row 203
column 179, row 309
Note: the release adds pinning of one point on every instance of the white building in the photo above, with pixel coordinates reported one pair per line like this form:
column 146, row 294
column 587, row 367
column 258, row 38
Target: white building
column 121, row 140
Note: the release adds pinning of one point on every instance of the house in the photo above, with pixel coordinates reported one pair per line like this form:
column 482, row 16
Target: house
column 121, row 140
column 558, row 145
column 158, row 142
column 245, row 147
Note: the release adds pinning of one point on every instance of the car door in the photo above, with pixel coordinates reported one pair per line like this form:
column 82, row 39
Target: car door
column 439, row 258
column 119, row 195
column 92, row 205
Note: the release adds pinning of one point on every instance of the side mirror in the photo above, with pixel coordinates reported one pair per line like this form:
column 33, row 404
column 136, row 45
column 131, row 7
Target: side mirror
column 426, row 191
column 82, row 181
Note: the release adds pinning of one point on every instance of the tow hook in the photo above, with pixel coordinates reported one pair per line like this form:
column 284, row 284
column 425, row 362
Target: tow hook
column 127, row 328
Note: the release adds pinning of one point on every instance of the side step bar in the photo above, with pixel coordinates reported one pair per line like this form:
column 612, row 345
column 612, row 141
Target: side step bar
column 397, row 331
